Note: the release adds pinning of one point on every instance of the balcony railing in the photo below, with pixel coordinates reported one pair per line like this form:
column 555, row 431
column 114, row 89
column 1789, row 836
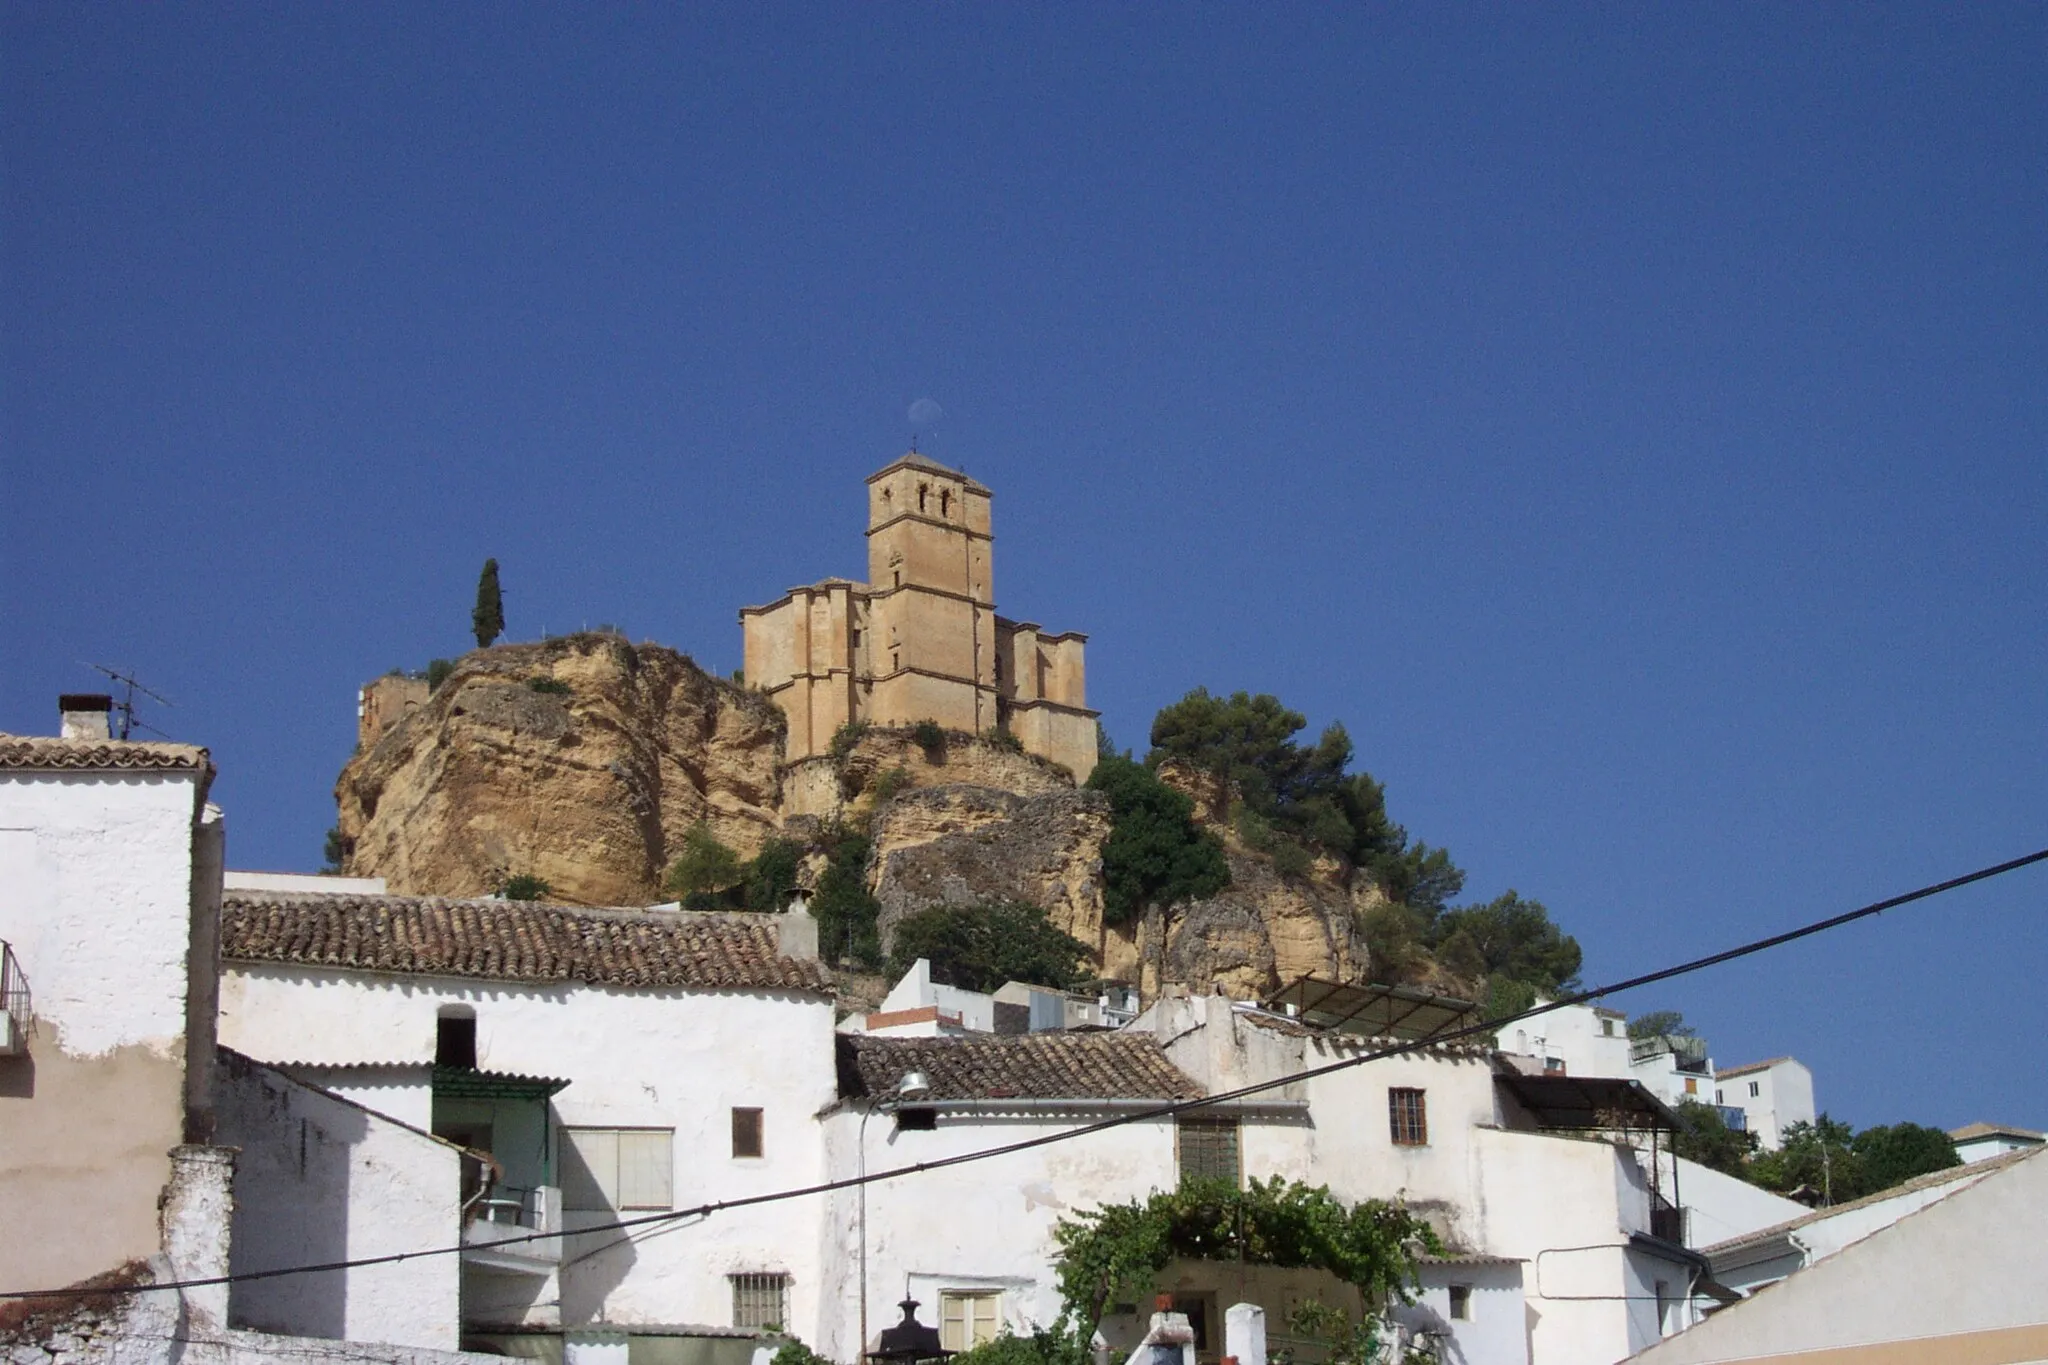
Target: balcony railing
column 16, row 1012
column 500, row 1226
column 1666, row 1220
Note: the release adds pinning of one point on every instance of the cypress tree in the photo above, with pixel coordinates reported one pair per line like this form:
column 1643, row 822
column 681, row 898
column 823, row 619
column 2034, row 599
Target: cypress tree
column 488, row 619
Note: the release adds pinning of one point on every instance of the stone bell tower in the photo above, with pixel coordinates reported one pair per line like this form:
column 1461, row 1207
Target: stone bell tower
column 920, row 640
column 931, row 606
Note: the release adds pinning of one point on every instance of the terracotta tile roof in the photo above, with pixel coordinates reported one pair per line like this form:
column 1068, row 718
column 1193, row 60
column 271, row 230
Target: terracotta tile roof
column 39, row 751
column 1981, row 1130
column 1747, row 1067
column 1031, row 1066
column 511, row 941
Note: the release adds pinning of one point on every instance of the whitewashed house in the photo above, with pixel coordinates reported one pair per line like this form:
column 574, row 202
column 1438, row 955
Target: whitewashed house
column 1961, row 1279
column 605, row 1065
column 1573, row 1040
column 130, row 1151
column 919, row 1007
column 1557, row 1194
column 1772, row 1095
column 974, row 1243
column 1982, row 1141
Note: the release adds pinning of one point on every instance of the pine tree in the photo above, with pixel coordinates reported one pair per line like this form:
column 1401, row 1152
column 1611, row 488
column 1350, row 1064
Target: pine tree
column 489, row 617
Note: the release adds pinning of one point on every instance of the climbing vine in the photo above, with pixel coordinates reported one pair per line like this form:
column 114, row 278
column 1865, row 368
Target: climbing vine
column 1118, row 1249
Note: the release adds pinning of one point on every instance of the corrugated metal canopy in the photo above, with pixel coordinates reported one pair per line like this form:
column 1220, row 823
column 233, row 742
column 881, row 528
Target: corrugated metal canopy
column 1588, row 1102
column 454, row 1082
column 1374, row 1011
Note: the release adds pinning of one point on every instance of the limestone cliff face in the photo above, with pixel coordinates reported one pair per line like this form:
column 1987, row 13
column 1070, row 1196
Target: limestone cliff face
column 590, row 782
column 589, row 788
column 959, row 845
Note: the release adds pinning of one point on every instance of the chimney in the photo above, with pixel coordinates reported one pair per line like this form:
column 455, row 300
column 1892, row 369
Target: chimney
column 85, row 715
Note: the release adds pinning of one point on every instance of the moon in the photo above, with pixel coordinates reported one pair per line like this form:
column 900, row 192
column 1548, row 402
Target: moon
column 924, row 412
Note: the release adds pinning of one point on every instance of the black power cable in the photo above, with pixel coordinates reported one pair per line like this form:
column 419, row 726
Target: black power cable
column 1166, row 1110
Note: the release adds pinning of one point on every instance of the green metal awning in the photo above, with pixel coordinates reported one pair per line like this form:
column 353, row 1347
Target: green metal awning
column 461, row 1083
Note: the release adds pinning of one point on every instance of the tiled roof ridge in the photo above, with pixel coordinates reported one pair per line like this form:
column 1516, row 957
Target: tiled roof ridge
column 1943, row 1176
column 1747, row 1067
column 46, row 752
column 1982, row 1129
column 1026, row 1066
column 512, row 941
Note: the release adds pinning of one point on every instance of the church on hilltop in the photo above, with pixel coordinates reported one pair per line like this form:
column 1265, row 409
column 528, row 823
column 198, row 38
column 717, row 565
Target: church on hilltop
column 920, row 640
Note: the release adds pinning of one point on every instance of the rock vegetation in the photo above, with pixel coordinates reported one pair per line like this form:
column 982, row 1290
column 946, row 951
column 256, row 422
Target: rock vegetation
column 592, row 790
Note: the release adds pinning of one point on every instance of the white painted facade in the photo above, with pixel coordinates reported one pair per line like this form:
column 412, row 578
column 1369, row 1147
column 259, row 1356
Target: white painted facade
column 1965, row 1278
column 1576, row 1040
column 321, row 1179
column 1673, row 1069
column 1772, row 1095
column 985, row 1227
column 301, row 881
column 1982, row 1141
column 673, row 1061
column 109, row 876
column 919, row 1007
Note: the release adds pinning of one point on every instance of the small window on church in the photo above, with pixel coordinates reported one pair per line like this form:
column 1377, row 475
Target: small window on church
column 899, row 578
column 895, row 660
column 945, row 502
column 920, row 497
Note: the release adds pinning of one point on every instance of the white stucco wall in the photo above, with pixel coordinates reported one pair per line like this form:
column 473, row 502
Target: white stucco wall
column 97, row 877
column 96, row 902
column 1496, row 1330
column 985, row 1225
column 1972, row 1267
column 320, row 1179
column 1784, row 1096
column 1719, row 1207
column 1588, row 1039
column 673, row 1059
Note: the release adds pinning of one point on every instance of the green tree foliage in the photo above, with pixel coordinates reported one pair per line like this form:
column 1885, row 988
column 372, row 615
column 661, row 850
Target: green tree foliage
column 1895, row 1153
column 1816, row 1156
column 337, row 849
column 770, row 876
column 930, row 736
column 1704, row 1136
column 525, row 887
column 437, row 673
column 1155, row 855
column 980, row 947
column 705, row 865
column 1509, row 938
column 845, row 912
column 1304, row 791
column 553, row 687
column 1116, row 1251
column 488, row 619
column 1660, row 1024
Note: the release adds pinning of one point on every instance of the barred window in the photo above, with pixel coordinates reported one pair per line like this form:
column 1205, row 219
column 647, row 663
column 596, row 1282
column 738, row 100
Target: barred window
column 1408, row 1116
column 1208, row 1149
column 760, row 1302
column 607, row 1169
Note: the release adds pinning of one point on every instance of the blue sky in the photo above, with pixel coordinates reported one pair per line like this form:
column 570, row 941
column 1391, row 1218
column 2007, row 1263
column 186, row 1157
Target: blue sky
column 1628, row 421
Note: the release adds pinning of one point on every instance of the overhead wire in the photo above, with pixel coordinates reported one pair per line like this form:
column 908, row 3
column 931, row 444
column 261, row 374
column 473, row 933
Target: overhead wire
column 1164, row 1110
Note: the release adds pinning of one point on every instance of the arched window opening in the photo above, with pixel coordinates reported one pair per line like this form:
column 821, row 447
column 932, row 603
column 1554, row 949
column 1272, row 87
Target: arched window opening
column 945, row 502
column 920, row 497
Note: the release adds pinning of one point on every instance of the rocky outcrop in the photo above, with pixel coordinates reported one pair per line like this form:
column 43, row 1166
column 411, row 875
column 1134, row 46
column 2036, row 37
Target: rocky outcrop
column 584, row 760
column 968, row 845
column 963, row 845
column 587, row 781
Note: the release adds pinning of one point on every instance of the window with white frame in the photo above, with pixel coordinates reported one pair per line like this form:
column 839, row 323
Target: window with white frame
column 760, row 1301
column 612, row 1169
column 969, row 1317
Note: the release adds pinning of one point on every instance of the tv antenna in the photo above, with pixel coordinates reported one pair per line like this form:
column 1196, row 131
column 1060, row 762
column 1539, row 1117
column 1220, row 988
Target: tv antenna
column 130, row 685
